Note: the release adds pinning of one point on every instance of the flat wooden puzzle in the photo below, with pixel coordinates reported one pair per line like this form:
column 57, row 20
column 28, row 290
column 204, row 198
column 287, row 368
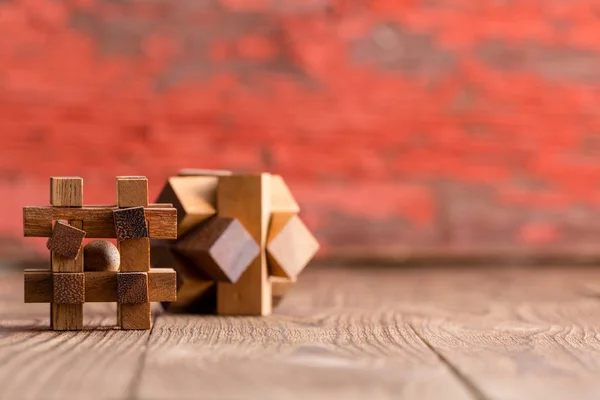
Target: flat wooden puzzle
column 99, row 271
column 240, row 246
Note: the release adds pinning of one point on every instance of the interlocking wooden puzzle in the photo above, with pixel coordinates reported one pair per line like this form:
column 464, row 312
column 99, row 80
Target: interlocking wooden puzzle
column 100, row 272
column 240, row 244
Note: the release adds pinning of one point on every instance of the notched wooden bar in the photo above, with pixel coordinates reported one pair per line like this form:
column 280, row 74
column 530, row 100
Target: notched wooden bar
column 98, row 222
column 100, row 286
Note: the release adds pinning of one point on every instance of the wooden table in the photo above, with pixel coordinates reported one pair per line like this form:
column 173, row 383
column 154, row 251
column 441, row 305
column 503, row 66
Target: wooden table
column 357, row 333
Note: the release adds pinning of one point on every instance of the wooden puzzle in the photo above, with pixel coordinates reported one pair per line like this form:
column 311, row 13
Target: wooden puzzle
column 240, row 246
column 100, row 272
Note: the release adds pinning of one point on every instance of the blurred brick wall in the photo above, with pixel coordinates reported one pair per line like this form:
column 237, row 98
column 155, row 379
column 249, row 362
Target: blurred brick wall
column 444, row 124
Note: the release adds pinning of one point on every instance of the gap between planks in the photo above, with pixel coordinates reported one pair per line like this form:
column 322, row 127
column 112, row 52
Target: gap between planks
column 470, row 386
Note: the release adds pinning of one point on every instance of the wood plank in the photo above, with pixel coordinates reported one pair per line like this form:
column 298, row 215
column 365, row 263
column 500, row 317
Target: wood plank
column 247, row 198
column 98, row 222
column 314, row 355
column 100, row 286
column 419, row 333
column 94, row 364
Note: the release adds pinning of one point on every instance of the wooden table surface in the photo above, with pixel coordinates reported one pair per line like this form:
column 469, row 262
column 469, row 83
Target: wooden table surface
column 356, row 333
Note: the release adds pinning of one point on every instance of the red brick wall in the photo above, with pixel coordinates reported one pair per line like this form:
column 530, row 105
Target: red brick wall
column 448, row 124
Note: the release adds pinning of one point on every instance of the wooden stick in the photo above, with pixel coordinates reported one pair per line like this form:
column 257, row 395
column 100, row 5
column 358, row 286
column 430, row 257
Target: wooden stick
column 101, row 286
column 133, row 192
column 247, row 198
column 67, row 192
column 97, row 221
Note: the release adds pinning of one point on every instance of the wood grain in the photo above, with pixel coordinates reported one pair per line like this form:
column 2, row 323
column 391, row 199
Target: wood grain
column 247, row 198
column 38, row 363
column 440, row 333
column 100, row 286
column 67, row 192
column 99, row 223
column 132, row 191
column 133, row 307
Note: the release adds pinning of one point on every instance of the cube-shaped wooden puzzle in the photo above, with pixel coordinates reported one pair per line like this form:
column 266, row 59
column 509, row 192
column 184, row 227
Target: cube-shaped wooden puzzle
column 70, row 283
column 240, row 246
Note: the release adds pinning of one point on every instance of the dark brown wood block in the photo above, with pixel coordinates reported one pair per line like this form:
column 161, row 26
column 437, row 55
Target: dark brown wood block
column 132, row 287
column 130, row 223
column 221, row 247
column 66, row 240
column 68, row 287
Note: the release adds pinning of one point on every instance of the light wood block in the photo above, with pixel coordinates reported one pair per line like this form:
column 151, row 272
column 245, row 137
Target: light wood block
column 66, row 191
column 132, row 191
column 99, row 221
column 290, row 245
column 101, row 286
column 134, row 316
column 220, row 247
column 194, row 197
column 247, row 198
column 281, row 197
column 135, row 255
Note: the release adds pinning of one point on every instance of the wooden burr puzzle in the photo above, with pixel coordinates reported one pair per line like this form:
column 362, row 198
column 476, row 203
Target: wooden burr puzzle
column 100, row 272
column 240, row 245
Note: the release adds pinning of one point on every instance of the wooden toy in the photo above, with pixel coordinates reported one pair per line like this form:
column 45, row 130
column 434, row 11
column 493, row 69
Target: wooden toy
column 119, row 274
column 240, row 246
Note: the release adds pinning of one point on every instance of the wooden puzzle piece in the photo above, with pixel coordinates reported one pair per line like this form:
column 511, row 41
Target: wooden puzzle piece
column 130, row 223
column 101, row 286
column 282, row 200
column 279, row 288
column 98, row 221
column 135, row 255
column 290, row 245
column 134, row 248
column 132, row 191
column 101, row 255
column 247, row 198
column 66, row 191
column 203, row 172
column 221, row 247
column 194, row 197
column 66, row 240
column 68, row 288
column 132, row 287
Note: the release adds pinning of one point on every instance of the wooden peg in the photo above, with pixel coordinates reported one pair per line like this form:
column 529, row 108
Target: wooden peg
column 247, row 198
